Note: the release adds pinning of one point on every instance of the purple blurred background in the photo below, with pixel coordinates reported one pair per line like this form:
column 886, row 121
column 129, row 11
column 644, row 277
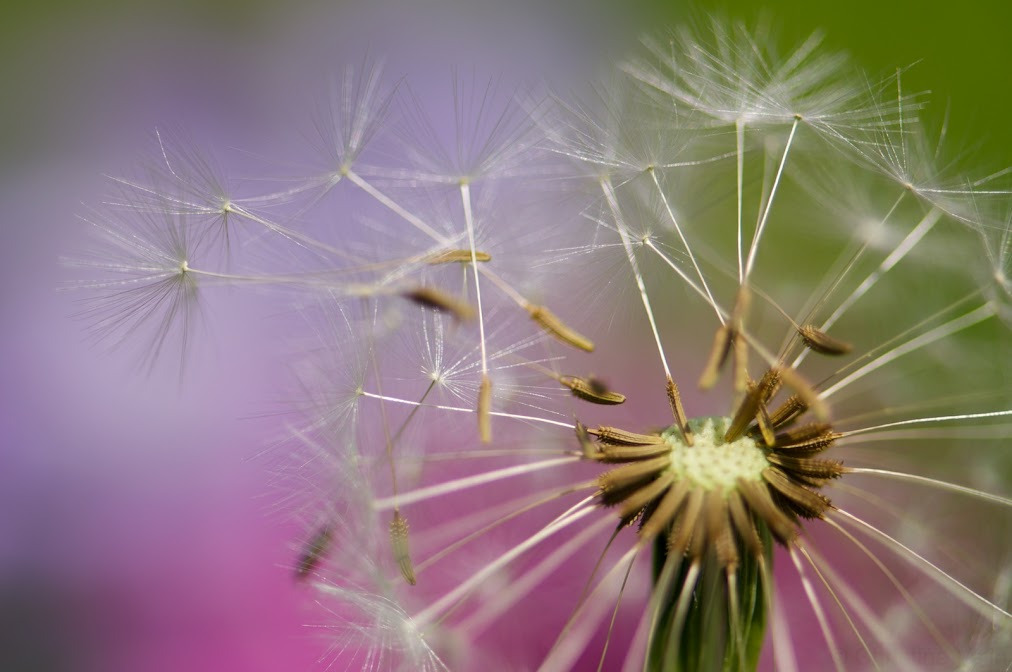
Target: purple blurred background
column 136, row 532
column 135, row 529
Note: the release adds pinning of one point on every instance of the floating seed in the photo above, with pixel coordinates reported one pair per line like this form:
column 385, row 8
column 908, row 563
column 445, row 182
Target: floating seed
column 461, row 256
column 313, row 552
column 548, row 321
column 823, row 343
column 591, row 389
column 399, row 542
column 485, row 409
column 437, row 300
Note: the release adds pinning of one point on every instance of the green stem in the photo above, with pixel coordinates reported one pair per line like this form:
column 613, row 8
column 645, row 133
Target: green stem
column 702, row 640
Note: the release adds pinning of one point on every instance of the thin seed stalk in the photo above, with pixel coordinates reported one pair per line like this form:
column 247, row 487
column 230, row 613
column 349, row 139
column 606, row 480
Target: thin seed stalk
column 703, row 640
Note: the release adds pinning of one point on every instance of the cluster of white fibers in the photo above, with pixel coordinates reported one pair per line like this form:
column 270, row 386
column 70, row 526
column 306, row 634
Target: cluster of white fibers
column 502, row 301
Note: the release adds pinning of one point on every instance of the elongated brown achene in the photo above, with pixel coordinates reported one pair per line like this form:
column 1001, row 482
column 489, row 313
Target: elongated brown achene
column 823, row 343
column 621, row 436
column 551, row 323
column 591, row 389
column 485, row 409
column 399, row 543
column 456, row 256
column 314, row 551
column 435, row 299
column 675, row 402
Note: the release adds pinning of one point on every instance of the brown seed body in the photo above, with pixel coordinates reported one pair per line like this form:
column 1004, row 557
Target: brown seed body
column 592, row 390
column 313, row 552
column 437, row 300
column 459, row 256
column 399, row 543
column 823, row 343
column 485, row 409
column 551, row 323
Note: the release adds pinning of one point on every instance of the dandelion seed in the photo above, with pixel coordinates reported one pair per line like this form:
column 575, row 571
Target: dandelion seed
column 456, row 256
column 592, row 390
column 437, row 300
column 313, row 553
column 548, row 321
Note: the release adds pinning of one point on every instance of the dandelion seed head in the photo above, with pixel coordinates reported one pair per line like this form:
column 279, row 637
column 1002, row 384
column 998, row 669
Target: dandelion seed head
column 767, row 261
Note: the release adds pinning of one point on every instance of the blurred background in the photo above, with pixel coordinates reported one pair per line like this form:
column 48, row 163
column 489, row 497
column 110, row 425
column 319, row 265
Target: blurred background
column 136, row 528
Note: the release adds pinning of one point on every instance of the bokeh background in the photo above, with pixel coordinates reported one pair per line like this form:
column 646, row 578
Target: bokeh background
column 136, row 528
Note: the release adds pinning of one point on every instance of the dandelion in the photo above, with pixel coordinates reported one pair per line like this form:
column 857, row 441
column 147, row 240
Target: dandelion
column 705, row 369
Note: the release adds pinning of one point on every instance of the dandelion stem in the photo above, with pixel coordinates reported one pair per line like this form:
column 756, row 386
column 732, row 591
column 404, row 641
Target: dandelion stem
column 783, row 646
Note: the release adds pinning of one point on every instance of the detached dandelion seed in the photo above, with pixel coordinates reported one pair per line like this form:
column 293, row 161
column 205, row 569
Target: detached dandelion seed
column 817, row 501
